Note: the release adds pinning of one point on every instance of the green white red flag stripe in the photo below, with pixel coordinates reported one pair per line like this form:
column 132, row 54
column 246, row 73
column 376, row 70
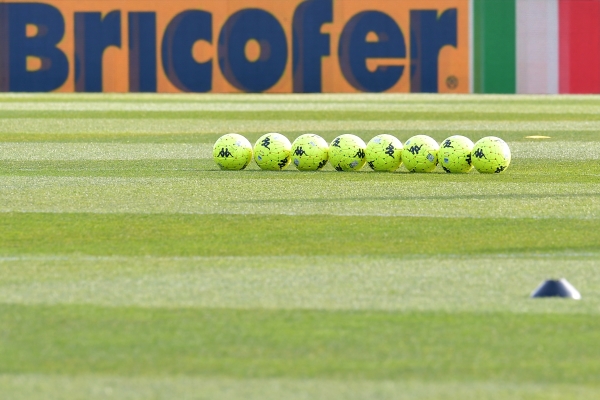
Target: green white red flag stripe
column 536, row 46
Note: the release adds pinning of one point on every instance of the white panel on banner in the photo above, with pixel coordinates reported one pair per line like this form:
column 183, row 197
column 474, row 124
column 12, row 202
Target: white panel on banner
column 537, row 46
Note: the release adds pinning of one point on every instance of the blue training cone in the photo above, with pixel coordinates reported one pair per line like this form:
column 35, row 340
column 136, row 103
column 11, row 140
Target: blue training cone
column 556, row 288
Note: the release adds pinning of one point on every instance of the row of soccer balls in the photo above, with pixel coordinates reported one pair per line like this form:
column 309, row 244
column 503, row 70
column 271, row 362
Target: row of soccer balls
column 310, row 152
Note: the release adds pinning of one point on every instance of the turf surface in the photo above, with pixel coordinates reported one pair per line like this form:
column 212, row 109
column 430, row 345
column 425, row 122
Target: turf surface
column 131, row 267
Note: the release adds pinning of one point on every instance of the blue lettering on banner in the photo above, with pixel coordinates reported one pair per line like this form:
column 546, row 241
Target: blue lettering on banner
column 142, row 52
column 241, row 27
column 182, row 70
column 354, row 49
column 366, row 39
column 15, row 47
column 309, row 44
column 93, row 34
column 428, row 35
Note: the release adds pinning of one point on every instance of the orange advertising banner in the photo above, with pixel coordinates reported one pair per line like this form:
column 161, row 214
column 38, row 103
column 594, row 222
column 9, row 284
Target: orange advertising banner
column 274, row 46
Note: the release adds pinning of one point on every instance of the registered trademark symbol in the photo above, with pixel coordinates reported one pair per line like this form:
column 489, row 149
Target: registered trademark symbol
column 452, row 82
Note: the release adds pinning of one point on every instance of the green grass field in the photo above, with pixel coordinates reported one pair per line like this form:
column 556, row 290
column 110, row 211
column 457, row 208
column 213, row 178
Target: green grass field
column 132, row 268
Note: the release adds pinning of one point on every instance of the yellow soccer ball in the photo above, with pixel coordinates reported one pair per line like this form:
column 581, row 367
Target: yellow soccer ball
column 384, row 153
column 420, row 154
column 347, row 153
column 490, row 155
column 455, row 154
column 272, row 152
column 310, row 152
column 232, row 152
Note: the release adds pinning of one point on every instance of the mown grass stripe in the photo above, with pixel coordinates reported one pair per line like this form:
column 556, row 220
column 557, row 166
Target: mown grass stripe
column 473, row 196
column 402, row 282
column 26, row 151
column 305, row 97
column 92, row 387
column 331, row 115
column 255, row 235
column 70, row 128
column 103, row 151
column 130, row 341
column 289, row 106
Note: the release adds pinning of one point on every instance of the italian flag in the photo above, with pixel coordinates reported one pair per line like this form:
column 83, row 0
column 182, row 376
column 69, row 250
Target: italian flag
column 535, row 46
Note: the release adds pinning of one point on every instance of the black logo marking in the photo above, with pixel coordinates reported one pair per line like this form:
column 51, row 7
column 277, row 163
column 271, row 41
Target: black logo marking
column 283, row 163
column 371, row 165
column 446, row 169
column 266, row 143
column 447, row 144
column 500, row 169
column 390, row 150
column 336, row 142
column 338, row 168
column 299, row 151
column 415, row 149
column 225, row 153
column 322, row 164
column 468, row 158
column 360, row 153
column 479, row 154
